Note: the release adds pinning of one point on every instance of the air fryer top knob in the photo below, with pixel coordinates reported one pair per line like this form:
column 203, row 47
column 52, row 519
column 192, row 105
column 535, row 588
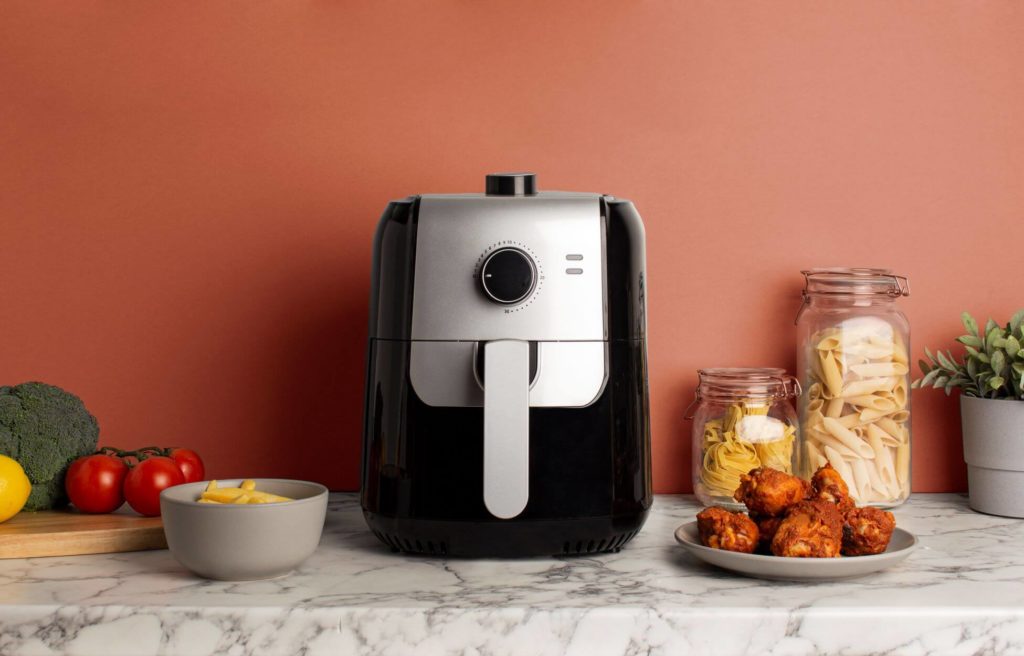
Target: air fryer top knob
column 511, row 184
column 508, row 276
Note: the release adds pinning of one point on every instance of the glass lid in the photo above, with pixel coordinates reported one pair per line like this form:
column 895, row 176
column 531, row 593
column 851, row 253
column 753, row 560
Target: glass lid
column 855, row 280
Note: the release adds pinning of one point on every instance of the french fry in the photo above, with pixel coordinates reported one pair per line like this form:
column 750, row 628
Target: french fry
column 246, row 493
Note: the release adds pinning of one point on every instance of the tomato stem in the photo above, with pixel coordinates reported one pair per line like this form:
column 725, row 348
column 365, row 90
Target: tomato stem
column 138, row 455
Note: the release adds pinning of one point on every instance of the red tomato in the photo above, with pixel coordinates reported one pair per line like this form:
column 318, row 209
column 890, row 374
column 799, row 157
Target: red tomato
column 94, row 483
column 145, row 481
column 190, row 464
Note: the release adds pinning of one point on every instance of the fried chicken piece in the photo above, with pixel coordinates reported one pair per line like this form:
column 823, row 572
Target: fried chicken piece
column 721, row 529
column 828, row 485
column 768, row 492
column 766, row 529
column 811, row 529
column 867, row 531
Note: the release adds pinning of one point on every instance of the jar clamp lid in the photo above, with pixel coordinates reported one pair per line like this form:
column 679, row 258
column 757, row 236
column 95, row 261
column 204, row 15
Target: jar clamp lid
column 851, row 281
column 737, row 383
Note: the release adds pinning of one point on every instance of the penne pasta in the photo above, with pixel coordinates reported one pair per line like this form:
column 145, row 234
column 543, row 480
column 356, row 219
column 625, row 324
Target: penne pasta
column 841, row 466
column 899, row 394
column 874, row 402
column 868, row 386
column 830, row 343
column 875, row 481
column 886, row 340
column 899, row 354
column 847, row 437
column 887, row 473
column 814, row 418
column 824, row 439
column 851, row 420
column 813, row 455
column 903, row 465
column 890, row 441
column 883, row 456
column 871, row 351
column 861, row 330
column 880, row 369
column 833, row 378
column 856, row 411
column 834, row 408
column 886, row 438
column 817, row 374
column 870, row 415
column 890, row 427
column 861, row 477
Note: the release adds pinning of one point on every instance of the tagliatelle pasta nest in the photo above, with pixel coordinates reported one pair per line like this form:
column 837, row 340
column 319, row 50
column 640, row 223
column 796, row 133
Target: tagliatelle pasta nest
column 855, row 408
column 744, row 438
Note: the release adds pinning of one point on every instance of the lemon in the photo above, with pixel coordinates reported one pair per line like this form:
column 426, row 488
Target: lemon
column 14, row 488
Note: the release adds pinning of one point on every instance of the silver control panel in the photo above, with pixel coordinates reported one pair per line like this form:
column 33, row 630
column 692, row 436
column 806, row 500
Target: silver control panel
column 527, row 268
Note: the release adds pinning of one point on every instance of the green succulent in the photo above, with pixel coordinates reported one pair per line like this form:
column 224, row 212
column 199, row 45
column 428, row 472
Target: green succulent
column 992, row 366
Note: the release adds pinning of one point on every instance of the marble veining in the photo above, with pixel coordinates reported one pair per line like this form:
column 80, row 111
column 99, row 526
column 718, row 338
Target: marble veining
column 961, row 592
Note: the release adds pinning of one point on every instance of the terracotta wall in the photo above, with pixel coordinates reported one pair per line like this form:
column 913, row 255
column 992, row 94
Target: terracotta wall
column 188, row 190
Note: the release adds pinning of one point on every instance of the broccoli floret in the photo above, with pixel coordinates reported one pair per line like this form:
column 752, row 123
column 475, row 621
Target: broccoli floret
column 45, row 428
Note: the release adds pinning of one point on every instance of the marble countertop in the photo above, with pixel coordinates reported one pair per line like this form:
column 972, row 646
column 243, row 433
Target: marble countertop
column 961, row 592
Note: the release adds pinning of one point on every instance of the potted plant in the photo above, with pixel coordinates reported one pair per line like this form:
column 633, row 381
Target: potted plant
column 990, row 376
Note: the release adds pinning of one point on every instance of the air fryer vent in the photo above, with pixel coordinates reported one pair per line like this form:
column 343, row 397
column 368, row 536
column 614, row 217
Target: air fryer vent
column 412, row 545
column 427, row 547
column 613, row 543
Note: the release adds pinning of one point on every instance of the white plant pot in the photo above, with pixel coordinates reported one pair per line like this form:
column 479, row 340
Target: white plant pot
column 994, row 451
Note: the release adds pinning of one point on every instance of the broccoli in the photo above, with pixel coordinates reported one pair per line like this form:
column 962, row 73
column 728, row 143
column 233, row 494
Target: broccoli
column 45, row 428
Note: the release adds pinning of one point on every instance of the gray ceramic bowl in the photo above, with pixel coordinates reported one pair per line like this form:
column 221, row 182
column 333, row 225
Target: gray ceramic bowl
column 244, row 542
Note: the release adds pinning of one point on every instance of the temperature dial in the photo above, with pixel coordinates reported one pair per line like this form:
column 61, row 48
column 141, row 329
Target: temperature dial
column 508, row 276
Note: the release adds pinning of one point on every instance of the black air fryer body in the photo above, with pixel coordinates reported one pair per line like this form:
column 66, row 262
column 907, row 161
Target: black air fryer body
column 524, row 313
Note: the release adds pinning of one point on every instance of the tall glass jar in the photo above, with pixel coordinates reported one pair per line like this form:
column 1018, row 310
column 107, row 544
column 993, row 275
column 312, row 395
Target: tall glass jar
column 853, row 361
column 743, row 418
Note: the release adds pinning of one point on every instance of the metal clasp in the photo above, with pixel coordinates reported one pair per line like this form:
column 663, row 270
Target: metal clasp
column 803, row 306
column 805, row 298
column 902, row 286
column 791, row 388
column 688, row 414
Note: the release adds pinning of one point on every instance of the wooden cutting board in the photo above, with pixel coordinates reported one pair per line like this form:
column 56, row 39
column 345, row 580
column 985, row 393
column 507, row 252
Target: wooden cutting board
column 70, row 533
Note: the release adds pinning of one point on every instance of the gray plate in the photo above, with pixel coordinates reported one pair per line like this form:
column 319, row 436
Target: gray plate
column 797, row 569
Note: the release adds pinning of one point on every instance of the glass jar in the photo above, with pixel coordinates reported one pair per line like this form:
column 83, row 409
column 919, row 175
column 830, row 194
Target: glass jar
column 853, row 350
column 743, row 418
